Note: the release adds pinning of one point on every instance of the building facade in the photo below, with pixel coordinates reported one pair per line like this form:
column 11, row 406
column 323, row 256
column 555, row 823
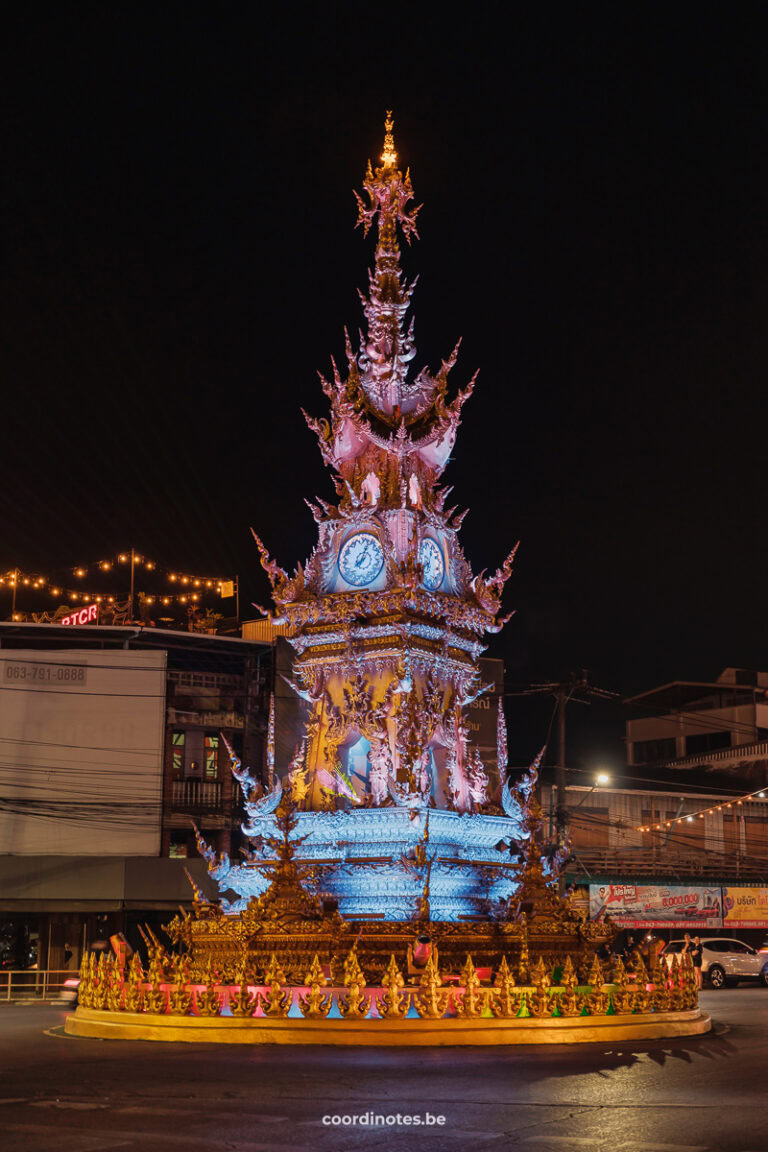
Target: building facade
column 689, row 725
column 114, row 746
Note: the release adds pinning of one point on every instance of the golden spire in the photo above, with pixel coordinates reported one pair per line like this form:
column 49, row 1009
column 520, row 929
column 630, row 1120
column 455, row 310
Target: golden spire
column 389, row 156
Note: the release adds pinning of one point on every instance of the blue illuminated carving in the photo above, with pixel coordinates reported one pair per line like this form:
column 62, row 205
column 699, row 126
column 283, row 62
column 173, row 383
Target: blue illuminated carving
column 359, row 857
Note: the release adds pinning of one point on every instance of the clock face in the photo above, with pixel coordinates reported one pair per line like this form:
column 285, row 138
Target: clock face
column 361, row 559
column 431, row 560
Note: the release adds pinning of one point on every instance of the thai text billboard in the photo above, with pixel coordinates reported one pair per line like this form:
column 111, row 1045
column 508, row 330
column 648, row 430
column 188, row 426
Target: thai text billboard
column 657, row 905
column 745, row 907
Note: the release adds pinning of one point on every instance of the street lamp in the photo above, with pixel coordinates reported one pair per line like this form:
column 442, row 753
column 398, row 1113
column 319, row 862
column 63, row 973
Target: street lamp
column 601, row 780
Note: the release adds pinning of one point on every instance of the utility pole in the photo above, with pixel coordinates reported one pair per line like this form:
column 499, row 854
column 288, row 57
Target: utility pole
column 561, row 821
column 14, row 586
column 130, row 603
column 577, row 689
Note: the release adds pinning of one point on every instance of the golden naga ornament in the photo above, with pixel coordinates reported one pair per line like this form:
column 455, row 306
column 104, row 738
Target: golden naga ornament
column 393, row 1003
column 316, row 1002
column 355, row 1003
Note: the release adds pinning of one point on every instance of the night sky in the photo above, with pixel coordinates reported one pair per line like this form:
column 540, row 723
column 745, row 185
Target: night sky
column 179, row 259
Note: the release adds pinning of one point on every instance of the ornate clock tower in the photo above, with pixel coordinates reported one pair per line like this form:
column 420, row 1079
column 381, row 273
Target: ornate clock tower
column 386, row 617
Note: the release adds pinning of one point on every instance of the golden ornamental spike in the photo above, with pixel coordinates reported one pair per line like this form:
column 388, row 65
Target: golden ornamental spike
column 389, row 155
column 208, row 1003
column 84, row 991
column 504, row 1000
column 316, row 1002
column 242, row 1003
column 473, row 1000
column 690, row 988
column 134, row 990
column 355, row 1003
column 431, row 1000
column 676, row 992
column 393, row 1003
column 539, row 1003
column 101, row 986
column 114, row 1001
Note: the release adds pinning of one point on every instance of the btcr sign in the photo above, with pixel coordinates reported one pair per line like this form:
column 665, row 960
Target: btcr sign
column 84, row 616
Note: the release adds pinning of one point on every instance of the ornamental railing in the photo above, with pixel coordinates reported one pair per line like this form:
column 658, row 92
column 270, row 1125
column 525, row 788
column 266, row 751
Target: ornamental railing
column 543, row 994
column 196, row 794
column 661, row 861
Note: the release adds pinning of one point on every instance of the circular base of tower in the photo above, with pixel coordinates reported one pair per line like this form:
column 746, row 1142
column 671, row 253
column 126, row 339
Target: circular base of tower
column 90, row 1022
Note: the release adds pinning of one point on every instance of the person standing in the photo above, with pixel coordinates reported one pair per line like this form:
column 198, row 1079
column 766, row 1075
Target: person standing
column 695, row 952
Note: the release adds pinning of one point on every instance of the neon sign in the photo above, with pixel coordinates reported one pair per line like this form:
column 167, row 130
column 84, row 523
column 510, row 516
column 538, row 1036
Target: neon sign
column 86, row 615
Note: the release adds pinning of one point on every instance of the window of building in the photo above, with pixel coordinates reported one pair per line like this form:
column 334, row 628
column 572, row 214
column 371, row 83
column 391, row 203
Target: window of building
column 653, row 751
column 178, row 740
column 178, row 849
column 211, row 756
column 706, row 742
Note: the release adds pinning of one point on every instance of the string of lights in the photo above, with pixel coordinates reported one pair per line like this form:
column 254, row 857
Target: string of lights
column 195, row 588
column 141, row 561
column 758, row 794
column 16, row 577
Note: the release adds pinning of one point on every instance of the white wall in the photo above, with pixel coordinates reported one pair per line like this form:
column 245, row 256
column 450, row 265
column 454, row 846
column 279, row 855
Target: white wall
column 81, row 752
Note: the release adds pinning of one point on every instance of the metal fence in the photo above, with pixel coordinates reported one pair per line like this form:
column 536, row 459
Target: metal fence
column 17, row 984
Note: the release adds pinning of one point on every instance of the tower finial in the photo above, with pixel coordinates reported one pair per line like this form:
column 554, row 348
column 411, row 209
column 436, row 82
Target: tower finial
column 389, row 155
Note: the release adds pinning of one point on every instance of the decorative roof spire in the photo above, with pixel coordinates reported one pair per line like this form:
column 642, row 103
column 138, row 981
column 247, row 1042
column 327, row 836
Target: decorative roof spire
column 388, row 348
column 389, row 156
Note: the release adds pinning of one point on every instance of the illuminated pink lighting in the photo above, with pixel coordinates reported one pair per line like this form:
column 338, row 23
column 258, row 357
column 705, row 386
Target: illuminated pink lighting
column 87, row 615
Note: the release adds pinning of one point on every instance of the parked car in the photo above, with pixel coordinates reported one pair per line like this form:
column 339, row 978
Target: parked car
column 725, row 961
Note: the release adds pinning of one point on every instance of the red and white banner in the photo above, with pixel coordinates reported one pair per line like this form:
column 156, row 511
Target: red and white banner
column 657, row 905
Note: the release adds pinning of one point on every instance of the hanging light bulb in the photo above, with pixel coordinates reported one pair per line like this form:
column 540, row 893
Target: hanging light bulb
column 149, row 564
column 171, row 576
column 79, row 571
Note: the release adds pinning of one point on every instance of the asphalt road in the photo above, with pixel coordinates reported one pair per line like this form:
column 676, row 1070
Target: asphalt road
column 75, row 1095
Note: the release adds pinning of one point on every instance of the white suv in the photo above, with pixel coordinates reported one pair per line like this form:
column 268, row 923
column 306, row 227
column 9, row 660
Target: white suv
column 725, row 961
